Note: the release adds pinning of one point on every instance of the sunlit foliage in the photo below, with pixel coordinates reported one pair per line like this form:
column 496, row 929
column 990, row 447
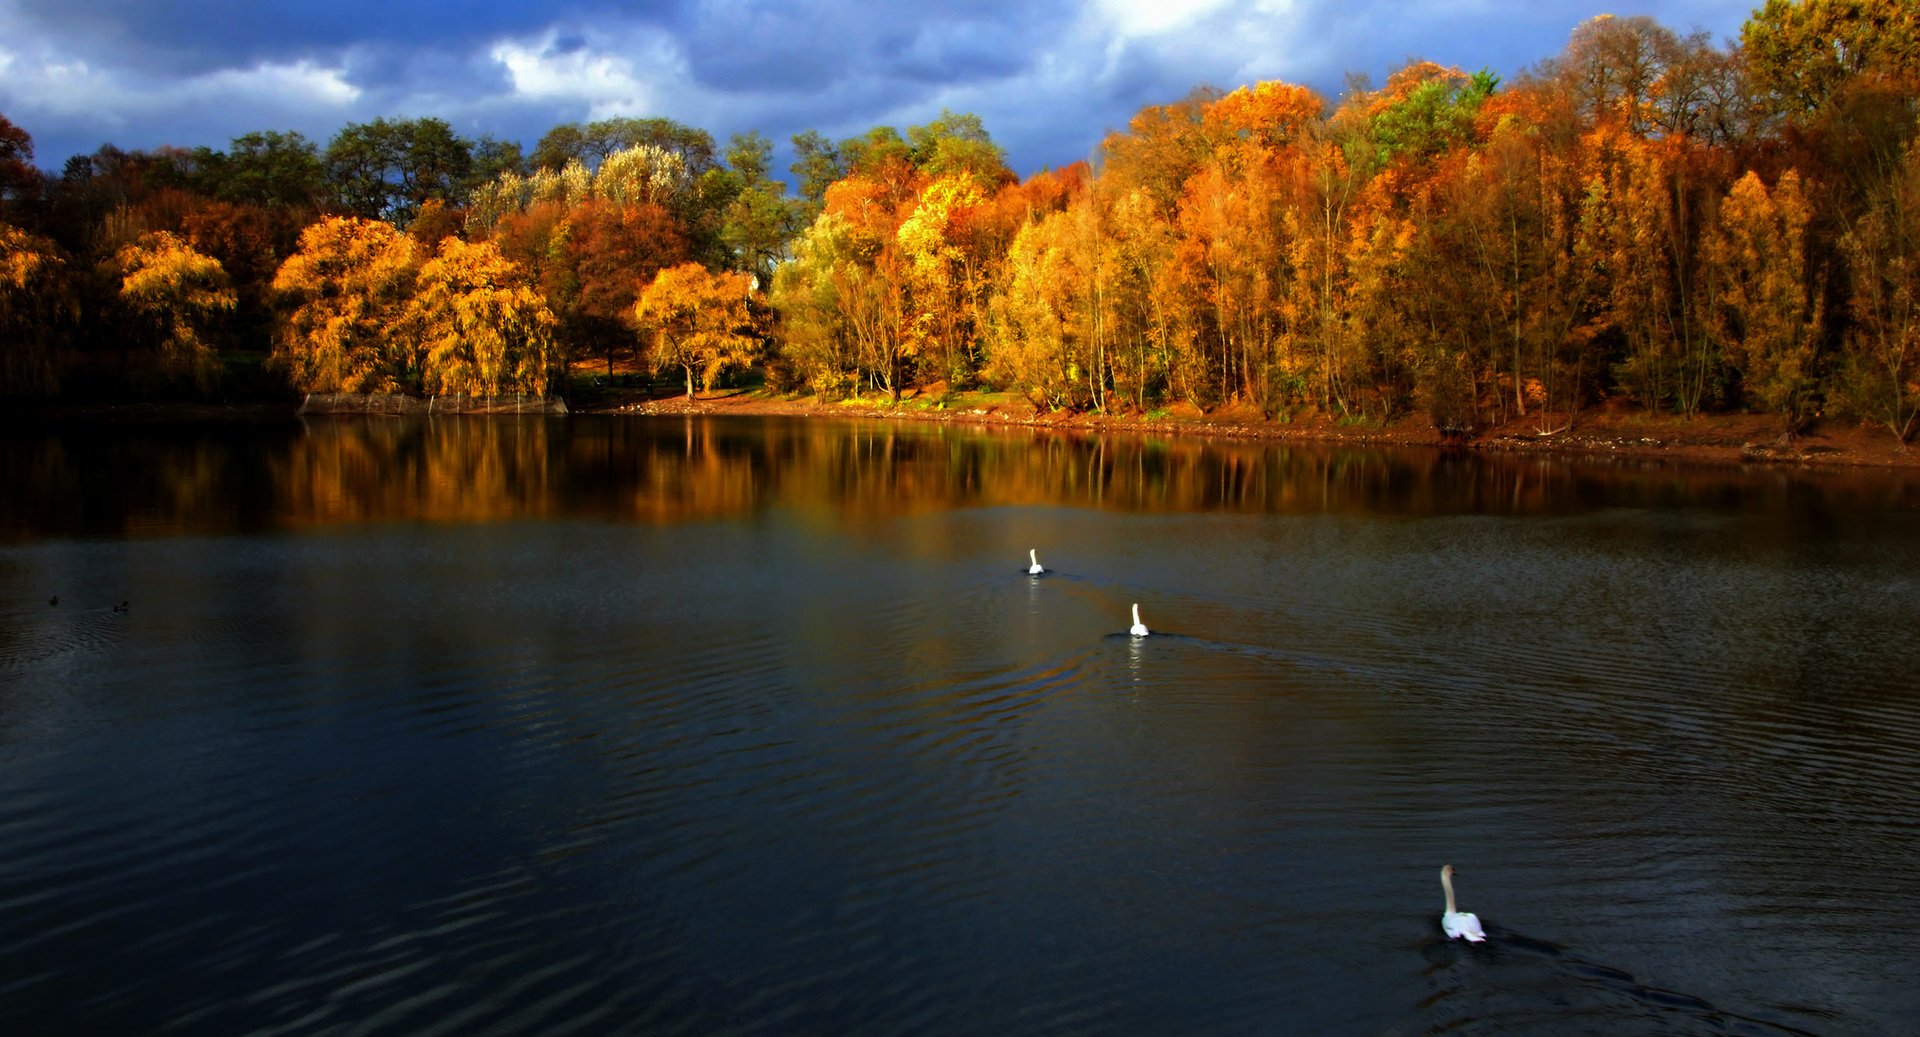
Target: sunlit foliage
column 483, row 328
column 176, row 293
column 1768, row 314
column 348, row 289
column 699, row 321
column 37, row 303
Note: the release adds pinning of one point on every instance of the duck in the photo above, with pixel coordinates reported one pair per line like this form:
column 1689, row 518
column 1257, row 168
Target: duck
column 122, row 607
column 1139, row 629
column 1034, row 557
column 1458, row 925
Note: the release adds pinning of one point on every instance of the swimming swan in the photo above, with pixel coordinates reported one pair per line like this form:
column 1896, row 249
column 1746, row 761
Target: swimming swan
column 1034, row 569
column 1458, row 925
column 1139, row 628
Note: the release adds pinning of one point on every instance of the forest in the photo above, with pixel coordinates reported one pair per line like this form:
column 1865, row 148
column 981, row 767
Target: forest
column 1647, row 218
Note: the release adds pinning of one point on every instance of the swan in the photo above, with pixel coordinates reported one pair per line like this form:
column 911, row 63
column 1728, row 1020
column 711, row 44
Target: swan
column 1139, row 628
column 1458, row 925
column 1034, row 557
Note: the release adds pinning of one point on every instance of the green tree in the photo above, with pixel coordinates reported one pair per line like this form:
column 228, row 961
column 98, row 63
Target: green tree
column 1432, row 117
column 760, row 219
column 817, row 163
column 387, row 170
column 269, row 168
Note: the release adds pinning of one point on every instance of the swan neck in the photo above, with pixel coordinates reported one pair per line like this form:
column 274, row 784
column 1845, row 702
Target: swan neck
column 1446, row 883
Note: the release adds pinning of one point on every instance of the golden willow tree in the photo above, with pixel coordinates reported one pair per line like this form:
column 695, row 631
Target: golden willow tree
column 482, row 328
column 175, row 294
column 372, row 310
column 349, row 288
column 699, row 321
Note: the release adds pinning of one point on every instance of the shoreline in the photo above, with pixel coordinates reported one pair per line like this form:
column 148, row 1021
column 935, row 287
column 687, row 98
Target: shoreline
column 1728, row 439
column 1601, row 432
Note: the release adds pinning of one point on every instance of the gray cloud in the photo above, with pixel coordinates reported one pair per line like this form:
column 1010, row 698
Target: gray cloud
column 1048, row 79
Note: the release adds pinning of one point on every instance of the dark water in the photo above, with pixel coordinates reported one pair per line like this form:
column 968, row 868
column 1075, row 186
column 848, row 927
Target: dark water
column 658, row 726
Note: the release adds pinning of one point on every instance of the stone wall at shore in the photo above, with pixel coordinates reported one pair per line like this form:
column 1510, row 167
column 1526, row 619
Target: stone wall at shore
column 397, row 403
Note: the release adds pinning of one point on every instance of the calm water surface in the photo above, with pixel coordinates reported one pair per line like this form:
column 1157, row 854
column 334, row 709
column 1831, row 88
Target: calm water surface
column 708, row 727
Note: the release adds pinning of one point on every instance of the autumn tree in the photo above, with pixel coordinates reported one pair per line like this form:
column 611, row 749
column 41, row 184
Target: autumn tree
column 176, row 294
column 1046, row 325
column 18, row 178
column 937, row 242
column 1161, row 148
column 1800, row 53
column 593, row 142
column 1768, row 312
column 699, row 321
column 611, row 252
column 1880, row 369
column 348, row 289
column 483, row 329
column 1618, row 69
column 37, row 303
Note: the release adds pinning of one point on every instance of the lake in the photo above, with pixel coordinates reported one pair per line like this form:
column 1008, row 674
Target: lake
column 709, row 726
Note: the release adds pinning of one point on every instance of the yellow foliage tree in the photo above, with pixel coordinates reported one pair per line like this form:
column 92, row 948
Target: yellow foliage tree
column 1044, row 339
column 1768, row 317
column 483, row 328
column 699, row 321
column 178, row 293
column 349, row 285
column 935, row 239
column 36, row 298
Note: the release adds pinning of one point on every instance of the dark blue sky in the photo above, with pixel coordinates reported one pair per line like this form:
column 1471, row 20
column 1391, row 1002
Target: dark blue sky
column 1049, row 79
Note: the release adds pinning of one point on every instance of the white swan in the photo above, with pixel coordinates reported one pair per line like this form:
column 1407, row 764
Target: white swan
column 1034, row 569
column 1139, row 628
column 1458, row 925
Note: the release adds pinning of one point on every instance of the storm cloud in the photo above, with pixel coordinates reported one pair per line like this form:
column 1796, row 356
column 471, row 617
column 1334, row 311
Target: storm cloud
column 1049, row 80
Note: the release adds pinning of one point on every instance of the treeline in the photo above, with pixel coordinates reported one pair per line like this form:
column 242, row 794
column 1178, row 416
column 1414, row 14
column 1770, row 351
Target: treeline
column 400, row 257
column 1646, row 217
